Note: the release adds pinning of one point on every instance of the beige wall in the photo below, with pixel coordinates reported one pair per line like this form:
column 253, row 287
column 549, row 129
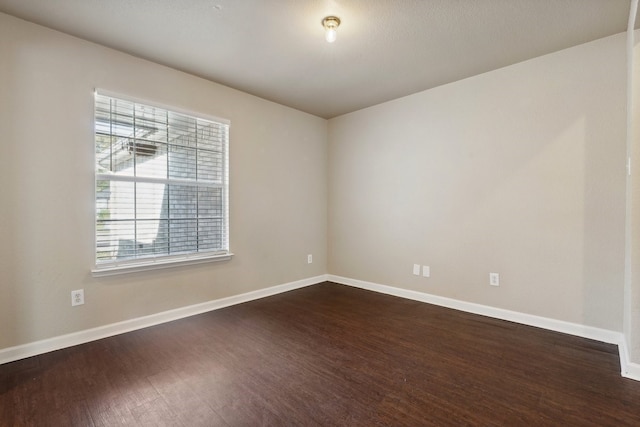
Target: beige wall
column 519, row 171
column 277, row 182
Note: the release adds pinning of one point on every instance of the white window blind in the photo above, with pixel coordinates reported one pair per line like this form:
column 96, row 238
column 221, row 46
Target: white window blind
column 161, row 184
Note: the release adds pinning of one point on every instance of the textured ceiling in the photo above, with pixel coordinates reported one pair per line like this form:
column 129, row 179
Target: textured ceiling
column 386, row 49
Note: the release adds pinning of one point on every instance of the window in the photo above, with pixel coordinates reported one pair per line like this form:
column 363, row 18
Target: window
column 161, row 186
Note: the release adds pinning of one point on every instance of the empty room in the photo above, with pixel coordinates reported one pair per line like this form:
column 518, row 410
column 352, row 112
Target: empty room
column 319, row 212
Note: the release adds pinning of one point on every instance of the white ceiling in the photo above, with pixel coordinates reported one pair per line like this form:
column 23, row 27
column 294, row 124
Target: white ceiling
column 385, row 49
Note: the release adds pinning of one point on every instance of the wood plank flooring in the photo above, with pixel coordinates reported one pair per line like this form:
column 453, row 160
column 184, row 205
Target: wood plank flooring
column 326, row 355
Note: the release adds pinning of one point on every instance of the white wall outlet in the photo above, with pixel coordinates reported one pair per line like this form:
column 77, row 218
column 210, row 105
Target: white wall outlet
column 77, row 297
column 494, row 279
column 416, row 269
column 426, row 271
column 309, row 259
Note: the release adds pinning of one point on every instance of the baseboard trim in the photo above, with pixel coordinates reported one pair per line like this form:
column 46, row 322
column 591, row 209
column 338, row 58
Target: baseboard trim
column 11, row 354
column 627, row 368
column 631, row 371
column 598, row 334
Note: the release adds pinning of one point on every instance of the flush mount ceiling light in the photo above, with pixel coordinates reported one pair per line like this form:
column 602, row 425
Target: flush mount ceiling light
column 330, row 24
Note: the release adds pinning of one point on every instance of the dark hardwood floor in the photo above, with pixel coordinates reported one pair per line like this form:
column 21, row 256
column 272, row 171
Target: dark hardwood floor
column 326, row 355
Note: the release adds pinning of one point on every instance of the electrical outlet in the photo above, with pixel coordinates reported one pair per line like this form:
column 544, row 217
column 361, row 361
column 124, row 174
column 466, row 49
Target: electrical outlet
column 426, row 271
column 416, row 269
column 77, row 297
column 309, row 259
column 494, row 279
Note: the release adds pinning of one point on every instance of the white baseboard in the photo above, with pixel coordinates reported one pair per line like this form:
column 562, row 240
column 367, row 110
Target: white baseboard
column 627, row 368
column 56, row 343
column 631, row 371
column 590, row 332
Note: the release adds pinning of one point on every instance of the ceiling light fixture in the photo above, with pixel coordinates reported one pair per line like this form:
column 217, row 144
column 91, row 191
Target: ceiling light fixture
column 330, row 24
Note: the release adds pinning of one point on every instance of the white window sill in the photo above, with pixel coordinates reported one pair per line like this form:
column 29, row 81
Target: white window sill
column 155, row 264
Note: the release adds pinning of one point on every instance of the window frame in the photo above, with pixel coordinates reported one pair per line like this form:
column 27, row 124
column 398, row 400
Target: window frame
column 161, row 261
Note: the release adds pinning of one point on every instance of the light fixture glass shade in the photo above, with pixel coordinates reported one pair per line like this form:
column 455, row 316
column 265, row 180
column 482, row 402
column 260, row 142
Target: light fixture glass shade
column 330, row 35
column 330, row 24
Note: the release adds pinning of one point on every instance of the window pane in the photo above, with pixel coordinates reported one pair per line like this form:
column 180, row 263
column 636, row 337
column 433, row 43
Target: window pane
column 103, row 150
column 121, row 118
column 182, row 130
column 210, row 166
column 115, row 230
column 211, row 136
column 105, row 246
column 150, row 123
column 123, row 238
column 210, row 203
column 147, row 238
column 210, row 234
column 151, row 159
column 161, row 243
column 151, row 201
column 122, row 201
column 183, row 236
column 182, row 162
column 183, row 201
